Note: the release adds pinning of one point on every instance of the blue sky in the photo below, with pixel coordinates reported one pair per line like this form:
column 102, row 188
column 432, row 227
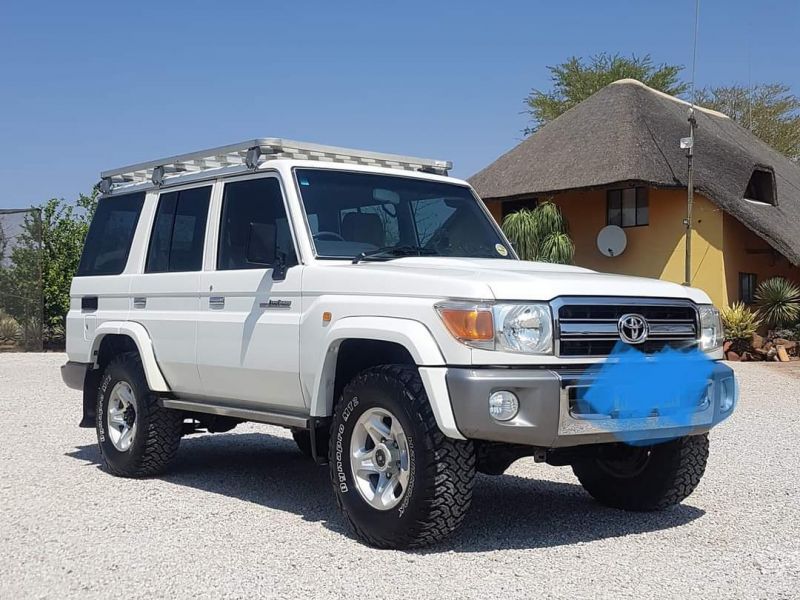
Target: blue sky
column 87, row 86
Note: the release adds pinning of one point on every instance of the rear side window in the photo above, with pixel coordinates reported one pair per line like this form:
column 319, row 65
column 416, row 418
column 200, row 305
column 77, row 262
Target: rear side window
column 254, row 201
column 179, row 229
column 108, row 242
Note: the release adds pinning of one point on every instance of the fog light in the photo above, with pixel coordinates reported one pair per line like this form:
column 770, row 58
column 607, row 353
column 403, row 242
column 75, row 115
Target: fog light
column 503, row 405
column 727, row 396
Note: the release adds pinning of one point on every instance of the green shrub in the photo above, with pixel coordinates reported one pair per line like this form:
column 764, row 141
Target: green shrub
column 9, row 330
column 778, row 302
column 540, row 234
column 739, row 321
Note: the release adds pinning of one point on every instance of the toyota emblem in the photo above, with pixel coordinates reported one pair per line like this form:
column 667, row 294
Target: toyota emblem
column 632, row 329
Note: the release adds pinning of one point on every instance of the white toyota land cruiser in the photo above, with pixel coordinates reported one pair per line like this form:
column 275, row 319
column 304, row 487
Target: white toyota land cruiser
column 370, row 304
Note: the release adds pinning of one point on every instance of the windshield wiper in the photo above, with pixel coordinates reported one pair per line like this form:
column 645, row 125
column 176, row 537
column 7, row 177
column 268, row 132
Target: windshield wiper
column 393, row 252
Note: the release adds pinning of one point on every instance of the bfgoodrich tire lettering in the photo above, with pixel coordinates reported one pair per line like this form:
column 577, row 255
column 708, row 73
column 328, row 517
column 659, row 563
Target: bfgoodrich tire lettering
column 158, row 430
column 441, row 471
column 664, row 477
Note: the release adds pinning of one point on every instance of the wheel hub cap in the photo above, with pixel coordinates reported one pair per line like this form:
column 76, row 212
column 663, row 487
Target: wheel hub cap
column 379, row 458
column 121, row 419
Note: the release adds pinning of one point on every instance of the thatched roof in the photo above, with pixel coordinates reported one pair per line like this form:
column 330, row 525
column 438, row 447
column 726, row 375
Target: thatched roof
column 628, row 132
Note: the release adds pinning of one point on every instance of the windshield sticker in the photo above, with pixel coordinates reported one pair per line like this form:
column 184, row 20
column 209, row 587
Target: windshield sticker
column 501, row 250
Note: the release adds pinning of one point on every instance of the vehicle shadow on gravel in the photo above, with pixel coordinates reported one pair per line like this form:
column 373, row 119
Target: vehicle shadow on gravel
column 508, row 512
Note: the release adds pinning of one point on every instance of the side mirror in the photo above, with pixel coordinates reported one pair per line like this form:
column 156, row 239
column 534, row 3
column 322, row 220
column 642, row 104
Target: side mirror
column 261, row 244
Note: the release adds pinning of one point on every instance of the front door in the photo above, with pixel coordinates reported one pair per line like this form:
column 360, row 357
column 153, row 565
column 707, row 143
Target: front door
column 248, row 337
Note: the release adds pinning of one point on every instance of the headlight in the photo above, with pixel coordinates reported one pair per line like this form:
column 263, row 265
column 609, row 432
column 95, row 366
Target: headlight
column 510, row 327
column 711, row 332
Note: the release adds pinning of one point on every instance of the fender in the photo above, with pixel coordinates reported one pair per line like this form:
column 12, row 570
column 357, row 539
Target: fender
column 137, row 332
column 414, row 337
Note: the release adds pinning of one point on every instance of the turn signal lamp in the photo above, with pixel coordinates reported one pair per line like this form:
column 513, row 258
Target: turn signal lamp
column 472, row 324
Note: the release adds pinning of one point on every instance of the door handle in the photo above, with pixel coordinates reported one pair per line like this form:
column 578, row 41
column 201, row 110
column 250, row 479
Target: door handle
column 216, row 302
column 139, row 302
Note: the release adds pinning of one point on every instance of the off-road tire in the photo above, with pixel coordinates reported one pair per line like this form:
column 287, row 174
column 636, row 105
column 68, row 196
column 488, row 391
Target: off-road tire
column 442, row 470
column 158, row 430
column 672, row 472
column 302, row 437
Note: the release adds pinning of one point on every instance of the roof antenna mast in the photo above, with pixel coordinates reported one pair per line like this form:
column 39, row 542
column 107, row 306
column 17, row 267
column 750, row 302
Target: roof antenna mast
column 688, row 145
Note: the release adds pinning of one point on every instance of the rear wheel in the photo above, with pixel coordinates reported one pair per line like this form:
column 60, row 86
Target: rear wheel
column 645, row 478
column 137, row 437
column 398, row 480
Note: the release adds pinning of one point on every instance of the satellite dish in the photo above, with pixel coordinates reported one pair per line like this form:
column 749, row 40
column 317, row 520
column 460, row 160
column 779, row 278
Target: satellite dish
column 611, row 240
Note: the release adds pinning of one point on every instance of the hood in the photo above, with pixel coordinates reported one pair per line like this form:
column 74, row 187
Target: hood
column 502, row 280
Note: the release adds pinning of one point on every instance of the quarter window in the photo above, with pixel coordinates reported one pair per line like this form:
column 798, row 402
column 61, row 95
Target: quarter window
column 179, row 229
column 108, row 242
column 246, row 203
column 627, row 207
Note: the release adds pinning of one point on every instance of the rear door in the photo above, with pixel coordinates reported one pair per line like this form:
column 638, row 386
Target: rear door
column 248, row 349
column 166, row 293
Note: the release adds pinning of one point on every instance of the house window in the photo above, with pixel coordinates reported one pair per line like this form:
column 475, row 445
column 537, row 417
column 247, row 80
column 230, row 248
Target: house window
column 747, row 287
column 761, row 187
column 511, row 206
column 627, row 207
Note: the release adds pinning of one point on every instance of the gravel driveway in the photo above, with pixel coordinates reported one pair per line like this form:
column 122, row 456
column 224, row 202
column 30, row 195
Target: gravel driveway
column 243, row 514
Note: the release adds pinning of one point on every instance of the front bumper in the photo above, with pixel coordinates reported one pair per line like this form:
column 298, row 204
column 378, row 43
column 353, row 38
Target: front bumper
column 548, row 416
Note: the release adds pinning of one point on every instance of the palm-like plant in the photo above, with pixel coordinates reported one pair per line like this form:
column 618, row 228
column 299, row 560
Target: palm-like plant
column 739, row 321
column 540, row 234
column 778, row 301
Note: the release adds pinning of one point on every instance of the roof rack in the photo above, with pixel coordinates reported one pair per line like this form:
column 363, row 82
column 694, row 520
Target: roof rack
column 252, row 154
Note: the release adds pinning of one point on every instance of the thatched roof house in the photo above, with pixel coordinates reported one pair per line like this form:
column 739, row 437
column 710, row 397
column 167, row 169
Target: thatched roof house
column 628, row 135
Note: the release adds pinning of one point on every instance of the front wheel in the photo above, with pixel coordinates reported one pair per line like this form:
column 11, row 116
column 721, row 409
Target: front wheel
column 645, row 478
column 398, row 480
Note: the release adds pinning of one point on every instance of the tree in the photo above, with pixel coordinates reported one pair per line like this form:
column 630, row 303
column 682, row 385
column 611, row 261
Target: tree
column 42, row 262
column 575, row 80
column 540, row 234
column 770, row 111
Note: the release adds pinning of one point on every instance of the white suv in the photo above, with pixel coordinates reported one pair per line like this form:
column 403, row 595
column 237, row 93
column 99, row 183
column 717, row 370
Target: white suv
column 369, row 303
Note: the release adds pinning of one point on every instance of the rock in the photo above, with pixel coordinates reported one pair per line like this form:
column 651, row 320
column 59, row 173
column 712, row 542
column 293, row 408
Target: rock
column 788, row 344
column 757, row 341
column 783, row 356
column 732, row 356
column 727, row 346
column 768, row 347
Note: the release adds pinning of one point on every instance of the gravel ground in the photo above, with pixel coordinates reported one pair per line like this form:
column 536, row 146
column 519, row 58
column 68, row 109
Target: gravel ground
column 244, row 515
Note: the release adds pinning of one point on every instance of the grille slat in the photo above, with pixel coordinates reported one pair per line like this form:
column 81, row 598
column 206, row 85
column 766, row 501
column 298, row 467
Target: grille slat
column 588, row 328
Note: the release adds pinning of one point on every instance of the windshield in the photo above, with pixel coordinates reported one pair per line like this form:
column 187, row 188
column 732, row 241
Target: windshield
column 366, row 215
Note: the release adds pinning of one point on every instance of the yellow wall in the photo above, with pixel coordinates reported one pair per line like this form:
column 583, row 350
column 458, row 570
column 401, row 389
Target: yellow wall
column 657, row 250
column 721, row 246
column 745, row 252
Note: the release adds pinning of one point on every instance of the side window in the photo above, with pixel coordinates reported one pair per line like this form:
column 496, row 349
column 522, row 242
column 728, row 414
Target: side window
column 244, row 203
column 627, row 207
column 108, row 242
column 179, row 229
column 747, row 287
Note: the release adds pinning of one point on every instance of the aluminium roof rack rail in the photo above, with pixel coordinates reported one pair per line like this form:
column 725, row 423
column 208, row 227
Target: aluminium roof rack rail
column 252, row 153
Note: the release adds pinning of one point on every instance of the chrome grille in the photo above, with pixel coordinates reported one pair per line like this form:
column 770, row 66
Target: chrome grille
column 588, row 326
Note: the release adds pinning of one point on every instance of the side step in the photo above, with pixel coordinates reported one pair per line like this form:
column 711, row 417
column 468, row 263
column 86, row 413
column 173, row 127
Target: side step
column 246, row 414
